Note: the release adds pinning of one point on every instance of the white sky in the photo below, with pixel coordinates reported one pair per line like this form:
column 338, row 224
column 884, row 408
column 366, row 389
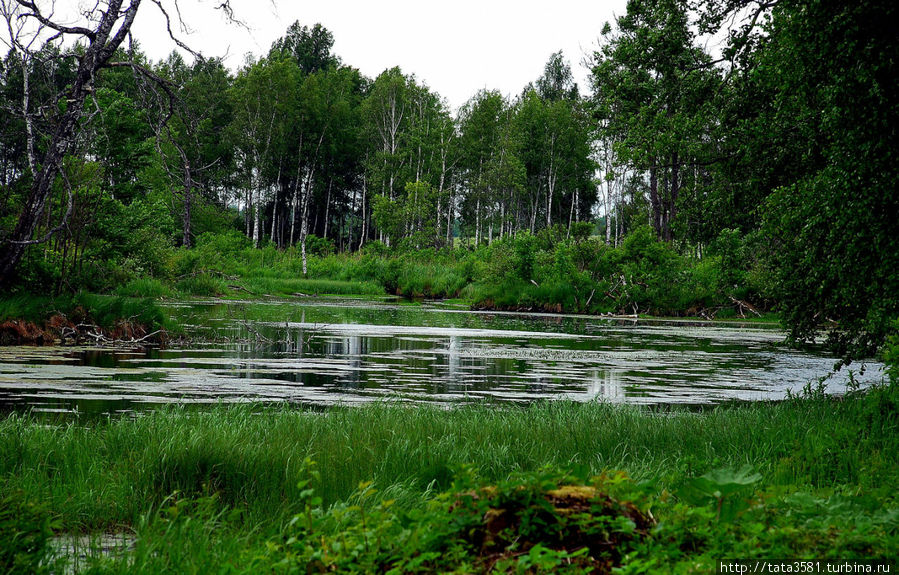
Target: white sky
column 456, row 48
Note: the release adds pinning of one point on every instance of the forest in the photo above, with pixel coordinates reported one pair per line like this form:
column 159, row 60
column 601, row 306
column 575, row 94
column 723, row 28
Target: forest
column 761, row 174
column 349, row 387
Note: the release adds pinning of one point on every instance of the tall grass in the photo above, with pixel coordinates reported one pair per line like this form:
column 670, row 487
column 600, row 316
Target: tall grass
column 208, row 488
column 103, row 310
column 108, row 474
column 268, row 285
column 144, row 287
column 28, row 308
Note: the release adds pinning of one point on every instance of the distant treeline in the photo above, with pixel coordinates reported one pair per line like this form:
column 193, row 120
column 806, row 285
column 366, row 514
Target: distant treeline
column 786, row 135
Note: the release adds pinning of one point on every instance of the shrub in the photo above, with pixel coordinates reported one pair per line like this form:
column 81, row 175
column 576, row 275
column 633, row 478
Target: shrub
column 543, row 521
column 317, row 246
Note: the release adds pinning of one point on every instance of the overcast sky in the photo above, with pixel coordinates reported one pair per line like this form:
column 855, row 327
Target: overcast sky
column 456, row 48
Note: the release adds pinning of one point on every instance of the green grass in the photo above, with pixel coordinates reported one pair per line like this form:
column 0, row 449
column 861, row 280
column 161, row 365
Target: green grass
column 103, row 310
column 279, row 286
column 108, row 473
column 145, row 288
column 202, row 284
column 243, row 472
column 27, row 308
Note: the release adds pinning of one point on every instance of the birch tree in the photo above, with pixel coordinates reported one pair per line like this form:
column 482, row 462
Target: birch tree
column 652, row 83
column 99, row 32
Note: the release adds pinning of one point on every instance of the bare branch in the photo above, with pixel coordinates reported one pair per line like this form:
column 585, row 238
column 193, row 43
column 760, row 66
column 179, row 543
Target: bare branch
column 228, row 11
column 36, row 14
column 167, row 86
column 112, row 45
column 168, row 26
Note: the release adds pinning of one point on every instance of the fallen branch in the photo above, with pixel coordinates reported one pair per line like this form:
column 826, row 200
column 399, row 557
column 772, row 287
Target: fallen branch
column 741, row 305
column 146, row 337
column 259, row 336
column 241, row 288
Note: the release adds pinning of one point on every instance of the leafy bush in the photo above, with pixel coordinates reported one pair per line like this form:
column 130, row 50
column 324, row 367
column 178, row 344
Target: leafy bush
column 540, row 521
column 319, row 246
column 727, row 249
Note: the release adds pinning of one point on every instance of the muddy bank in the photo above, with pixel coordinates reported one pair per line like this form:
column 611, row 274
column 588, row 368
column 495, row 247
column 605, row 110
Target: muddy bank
column 60, row 330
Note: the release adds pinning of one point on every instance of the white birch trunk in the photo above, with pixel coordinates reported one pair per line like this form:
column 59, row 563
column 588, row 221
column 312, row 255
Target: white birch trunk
column 256, row 217
column 364, row 218
column 477, row 218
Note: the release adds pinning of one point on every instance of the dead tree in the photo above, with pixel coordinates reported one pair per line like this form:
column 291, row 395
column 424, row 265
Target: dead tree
column 100, row 33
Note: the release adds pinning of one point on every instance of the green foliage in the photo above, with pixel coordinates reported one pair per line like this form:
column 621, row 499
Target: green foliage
column 524, row 256
column 471, row 486
column 102, row 310
column 891, row 354
column 319, row 246
column 29, row 308
column 728, row 247
column 552, row 270
column 292, row 285
column 108, row 311
column 144, row 288
column 203, row 284
column 812, row 150
column 576, row 274
column 25, row 532
column 826, row 267
column 726, row 489
column 654, row 88
column 536, row 521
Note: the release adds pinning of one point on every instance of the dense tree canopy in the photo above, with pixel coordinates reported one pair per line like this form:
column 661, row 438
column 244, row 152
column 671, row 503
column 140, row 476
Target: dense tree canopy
column 779, row 147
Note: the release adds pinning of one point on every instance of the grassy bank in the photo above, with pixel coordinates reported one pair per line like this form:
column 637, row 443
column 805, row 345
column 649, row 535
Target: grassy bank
column 825, row 485
column 550, row 271
column 43, row 319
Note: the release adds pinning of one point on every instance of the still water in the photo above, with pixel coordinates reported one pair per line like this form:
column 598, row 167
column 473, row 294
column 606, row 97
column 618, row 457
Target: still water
column 328, row 351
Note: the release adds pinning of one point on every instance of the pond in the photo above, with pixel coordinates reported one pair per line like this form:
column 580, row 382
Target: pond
column 320, row 351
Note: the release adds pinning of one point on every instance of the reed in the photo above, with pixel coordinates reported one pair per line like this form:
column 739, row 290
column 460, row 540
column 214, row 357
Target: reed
column 205, row 487
column 109, row 473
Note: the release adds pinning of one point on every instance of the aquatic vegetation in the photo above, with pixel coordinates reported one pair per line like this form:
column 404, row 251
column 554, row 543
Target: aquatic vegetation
column 472, row 489
column 811, row 476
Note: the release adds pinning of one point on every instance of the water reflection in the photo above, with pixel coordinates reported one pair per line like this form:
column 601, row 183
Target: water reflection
column 606, row 386
column 324, row 354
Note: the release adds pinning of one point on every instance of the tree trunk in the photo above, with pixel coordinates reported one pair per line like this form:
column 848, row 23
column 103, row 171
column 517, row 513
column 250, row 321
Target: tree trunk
column 477, row 218
column 671, row 199
column 257, row 216
column 449, row 219
column 188, row 206
column 97, row 54
column 327, row 207
column 364, row 218
column 654, row 201
column 304, row 222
